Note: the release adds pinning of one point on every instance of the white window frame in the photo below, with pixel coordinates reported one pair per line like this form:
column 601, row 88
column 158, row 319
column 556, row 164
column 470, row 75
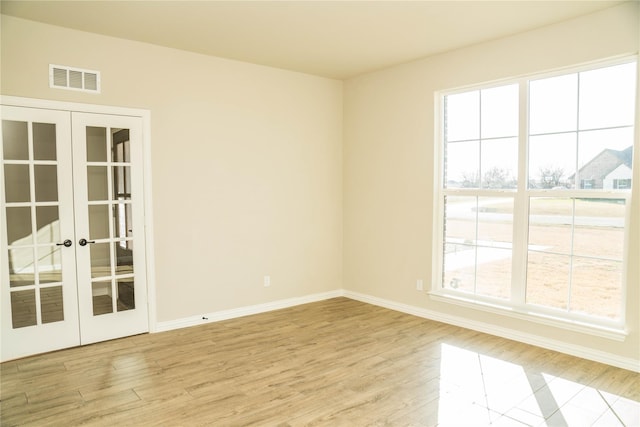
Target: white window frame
column 517, row 307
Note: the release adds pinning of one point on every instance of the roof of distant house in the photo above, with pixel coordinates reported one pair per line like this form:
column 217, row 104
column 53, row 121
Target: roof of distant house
column 607, row 160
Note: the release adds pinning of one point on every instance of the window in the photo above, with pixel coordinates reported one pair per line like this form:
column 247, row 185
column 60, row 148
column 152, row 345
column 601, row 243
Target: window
column 535, row 177
column 622, row 183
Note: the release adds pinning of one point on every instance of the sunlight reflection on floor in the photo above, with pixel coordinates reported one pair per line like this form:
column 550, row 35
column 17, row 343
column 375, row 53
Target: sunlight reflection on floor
column 476, row 389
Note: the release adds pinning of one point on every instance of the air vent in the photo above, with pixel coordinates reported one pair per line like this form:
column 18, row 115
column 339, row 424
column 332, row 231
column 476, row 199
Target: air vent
column 62, row 77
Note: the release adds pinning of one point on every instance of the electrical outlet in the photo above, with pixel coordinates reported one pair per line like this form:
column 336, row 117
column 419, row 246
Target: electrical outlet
column 419, row 285
column 267, row 281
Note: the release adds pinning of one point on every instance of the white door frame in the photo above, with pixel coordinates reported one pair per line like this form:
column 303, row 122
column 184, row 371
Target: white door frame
column 145, row 115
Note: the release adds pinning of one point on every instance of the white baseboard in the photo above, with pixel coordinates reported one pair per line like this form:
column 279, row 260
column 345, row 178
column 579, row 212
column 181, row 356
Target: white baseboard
column 512, row 334
column 243, row 311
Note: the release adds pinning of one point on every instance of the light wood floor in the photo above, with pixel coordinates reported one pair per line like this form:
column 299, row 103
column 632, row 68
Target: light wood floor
column 333, row 363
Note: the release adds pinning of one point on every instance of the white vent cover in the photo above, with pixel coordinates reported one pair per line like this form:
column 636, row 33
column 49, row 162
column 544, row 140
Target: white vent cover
column 63, row 77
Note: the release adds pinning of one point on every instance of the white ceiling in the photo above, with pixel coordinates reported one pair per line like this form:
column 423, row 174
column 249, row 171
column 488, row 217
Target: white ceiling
column 337, row 39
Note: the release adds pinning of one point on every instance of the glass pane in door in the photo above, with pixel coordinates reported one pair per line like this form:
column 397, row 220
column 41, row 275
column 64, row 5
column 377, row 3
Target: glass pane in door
column 124, row 257
column 100, row 260
column 96, row 144
column 49, row 264
column 126, row 297
column 16, row 183
column 21, row 267
column 47, row 224
column 15, row 144
column 98, row 222
column 122, row 183
column 102, row 297
column 19, row 226
column 120, row 146
column 97, row 183
column 123, row 220
column 46, row 180
column 44, row 141
column 51, row 304
column 23, row 308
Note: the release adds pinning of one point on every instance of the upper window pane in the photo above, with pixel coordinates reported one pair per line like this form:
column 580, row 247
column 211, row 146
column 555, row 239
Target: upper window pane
column 581, row 130
column 462, row 165
column 499, row 164
column 553, row 104
column 463, row 116
column 481, row 138
column 607, row 97
column 604, row 156
column 552, row 160
column 499, row 116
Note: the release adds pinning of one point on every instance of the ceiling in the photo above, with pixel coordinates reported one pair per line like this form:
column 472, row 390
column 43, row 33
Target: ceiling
column 336, row 39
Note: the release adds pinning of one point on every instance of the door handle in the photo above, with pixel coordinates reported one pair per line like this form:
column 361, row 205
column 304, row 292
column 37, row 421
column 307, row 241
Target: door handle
column 66, row 243
column 83, row 242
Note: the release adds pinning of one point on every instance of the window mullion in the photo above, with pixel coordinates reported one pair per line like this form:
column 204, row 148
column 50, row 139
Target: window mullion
column 521, row 205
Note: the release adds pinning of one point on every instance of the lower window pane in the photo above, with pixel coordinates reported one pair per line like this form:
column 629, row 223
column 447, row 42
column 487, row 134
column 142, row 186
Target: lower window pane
column 460, row 217
column 493, row 275
column 495, row 221
column 596, row 287
column 459, row 267
column 548, row 279
column 550, row 224
column 599, row 228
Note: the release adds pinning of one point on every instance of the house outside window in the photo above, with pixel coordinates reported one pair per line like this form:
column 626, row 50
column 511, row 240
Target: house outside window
column 535, row 177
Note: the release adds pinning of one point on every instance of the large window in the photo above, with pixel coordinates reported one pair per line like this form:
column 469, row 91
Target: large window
column 535, row 181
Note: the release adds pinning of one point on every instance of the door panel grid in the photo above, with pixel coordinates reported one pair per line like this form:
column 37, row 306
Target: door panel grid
column 69, row 211
column 39, row 300
column 107, row 158
column 110, row 219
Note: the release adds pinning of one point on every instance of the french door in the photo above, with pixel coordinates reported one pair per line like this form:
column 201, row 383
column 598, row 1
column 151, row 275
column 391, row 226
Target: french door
column 72, row 230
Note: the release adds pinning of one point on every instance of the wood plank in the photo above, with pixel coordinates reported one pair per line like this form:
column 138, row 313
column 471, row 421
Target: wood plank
column 335, row 362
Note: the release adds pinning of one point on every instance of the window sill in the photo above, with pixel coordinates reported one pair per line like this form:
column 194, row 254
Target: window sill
column 609, row 332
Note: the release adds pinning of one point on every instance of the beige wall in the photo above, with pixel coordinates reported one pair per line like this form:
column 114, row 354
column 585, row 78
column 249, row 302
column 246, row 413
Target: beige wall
column 389, row 157
column 246, row 163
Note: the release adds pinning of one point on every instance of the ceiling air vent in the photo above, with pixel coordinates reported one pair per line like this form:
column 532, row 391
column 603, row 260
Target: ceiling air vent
column 62, row 77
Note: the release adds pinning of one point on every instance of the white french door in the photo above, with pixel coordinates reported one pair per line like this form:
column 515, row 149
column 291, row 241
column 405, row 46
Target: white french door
column 72, row 230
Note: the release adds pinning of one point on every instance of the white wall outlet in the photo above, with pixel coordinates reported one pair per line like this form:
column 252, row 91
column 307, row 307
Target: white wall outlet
column 419, row 285
column 267, row 281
